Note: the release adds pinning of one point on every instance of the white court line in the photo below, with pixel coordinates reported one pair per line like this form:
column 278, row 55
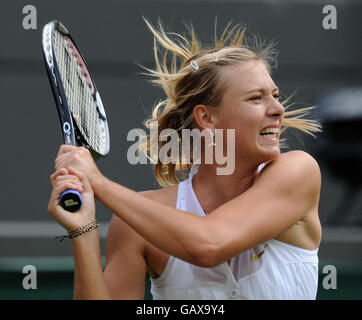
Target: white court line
column 38, row 229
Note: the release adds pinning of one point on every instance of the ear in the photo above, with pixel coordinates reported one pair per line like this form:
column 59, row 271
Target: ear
column 204, row 117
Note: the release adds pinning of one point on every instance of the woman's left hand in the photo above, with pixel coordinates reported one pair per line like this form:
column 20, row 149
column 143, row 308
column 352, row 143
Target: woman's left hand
column 64, row 179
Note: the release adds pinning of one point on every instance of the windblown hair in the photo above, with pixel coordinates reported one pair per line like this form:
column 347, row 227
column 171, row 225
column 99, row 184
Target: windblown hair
column 186, row 87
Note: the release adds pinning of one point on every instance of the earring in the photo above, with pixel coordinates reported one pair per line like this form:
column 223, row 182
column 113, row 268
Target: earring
column 212, row 143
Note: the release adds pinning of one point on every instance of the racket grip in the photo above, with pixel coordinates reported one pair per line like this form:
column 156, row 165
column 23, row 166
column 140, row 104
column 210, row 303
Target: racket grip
column 70, row 200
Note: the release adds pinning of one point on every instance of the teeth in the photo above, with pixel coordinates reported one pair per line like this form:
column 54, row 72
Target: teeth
column 270, row 131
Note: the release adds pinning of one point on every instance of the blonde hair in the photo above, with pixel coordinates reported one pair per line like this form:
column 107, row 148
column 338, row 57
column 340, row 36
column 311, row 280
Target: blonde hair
column 189, row 75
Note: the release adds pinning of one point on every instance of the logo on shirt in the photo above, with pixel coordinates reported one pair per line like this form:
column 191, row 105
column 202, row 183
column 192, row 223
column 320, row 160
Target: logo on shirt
column 258, row 255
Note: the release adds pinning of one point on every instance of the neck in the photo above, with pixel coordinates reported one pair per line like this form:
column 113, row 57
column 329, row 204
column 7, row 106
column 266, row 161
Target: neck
column 213, row 190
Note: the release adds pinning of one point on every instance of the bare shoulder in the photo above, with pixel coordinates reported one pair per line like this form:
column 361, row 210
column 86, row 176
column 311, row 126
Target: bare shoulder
column 282, row 203
column 296, row 160
column 119, row 230
column 167, row 196
column 157, row 259
column 300, row 172
column 300, row 157
column 294, row 169
column 126, row 264
column 130, row 256
column 120, row 233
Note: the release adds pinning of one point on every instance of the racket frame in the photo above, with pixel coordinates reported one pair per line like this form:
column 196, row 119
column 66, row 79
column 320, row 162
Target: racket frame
column 71, row 133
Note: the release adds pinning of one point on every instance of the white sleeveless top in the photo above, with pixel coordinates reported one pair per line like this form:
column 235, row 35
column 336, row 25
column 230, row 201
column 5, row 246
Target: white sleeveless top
column 282, row 271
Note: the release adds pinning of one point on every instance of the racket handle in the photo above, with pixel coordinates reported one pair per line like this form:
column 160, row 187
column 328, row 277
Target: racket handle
column 70, row 200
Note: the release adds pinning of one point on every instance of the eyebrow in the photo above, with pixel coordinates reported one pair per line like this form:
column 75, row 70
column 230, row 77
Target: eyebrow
column 261, row 90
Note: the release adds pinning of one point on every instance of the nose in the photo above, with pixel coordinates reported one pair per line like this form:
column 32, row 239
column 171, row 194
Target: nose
column 275, row 108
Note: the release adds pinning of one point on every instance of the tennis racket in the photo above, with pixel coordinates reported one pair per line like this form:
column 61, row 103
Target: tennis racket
column 80, row 109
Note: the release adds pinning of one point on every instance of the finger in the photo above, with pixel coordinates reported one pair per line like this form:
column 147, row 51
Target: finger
column 64, row 217
column 58, row 189
column 76, row 155
column 62, row 186
column 65, row 148
column 63, row 158
column 59, row 172
column 83, row 179
column 67, row 177
column 70, row 178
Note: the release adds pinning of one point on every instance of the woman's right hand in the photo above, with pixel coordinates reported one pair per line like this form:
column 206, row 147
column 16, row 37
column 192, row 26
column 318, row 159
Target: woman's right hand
column 64, row 179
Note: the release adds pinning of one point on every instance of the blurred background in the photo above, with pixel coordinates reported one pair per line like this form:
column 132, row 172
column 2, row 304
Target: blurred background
column 323, row 67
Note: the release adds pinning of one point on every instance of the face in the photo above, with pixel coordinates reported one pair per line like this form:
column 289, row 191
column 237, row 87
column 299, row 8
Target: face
column 251, row 106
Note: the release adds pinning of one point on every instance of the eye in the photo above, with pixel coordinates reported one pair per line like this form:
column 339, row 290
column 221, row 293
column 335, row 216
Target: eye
column 277, row 96
column 256, row 98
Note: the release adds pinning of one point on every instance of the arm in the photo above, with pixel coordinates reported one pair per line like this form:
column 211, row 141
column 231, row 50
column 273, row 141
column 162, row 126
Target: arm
column 89, row 282
column 88, row 274
column 165, row 227
column 126, row 266
column 285, row 194
column 280, row 197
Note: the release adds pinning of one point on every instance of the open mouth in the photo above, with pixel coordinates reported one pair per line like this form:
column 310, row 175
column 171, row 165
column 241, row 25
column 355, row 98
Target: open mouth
column 270, row 133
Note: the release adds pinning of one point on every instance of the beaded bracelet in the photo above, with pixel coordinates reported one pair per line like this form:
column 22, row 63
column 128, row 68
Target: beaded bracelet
column 75, row 233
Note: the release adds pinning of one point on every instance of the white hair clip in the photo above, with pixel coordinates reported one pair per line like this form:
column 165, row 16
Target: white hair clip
column 215, row 57
column 194, row 65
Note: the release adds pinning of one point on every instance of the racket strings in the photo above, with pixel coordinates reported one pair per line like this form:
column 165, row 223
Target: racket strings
column 80, row 99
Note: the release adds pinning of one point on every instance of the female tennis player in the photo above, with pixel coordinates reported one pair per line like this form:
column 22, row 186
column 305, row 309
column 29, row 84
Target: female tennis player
column 252, row 234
